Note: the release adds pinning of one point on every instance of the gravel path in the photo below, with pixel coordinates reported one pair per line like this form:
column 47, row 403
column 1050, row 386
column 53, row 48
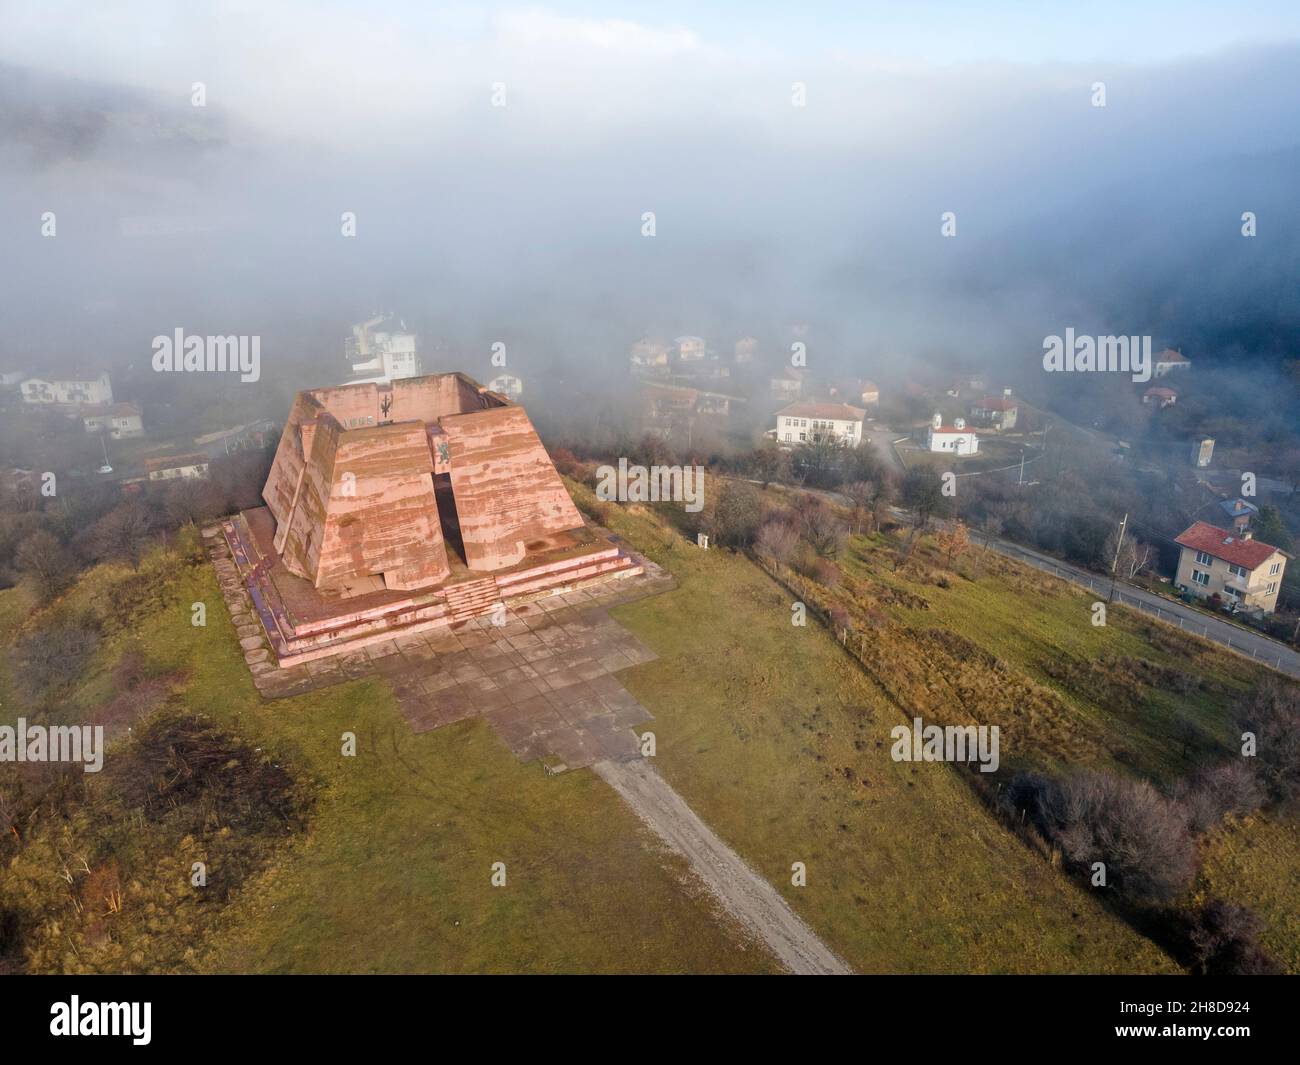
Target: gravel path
column 741, row 891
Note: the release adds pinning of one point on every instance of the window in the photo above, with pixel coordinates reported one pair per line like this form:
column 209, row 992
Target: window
column 787, row 437
column 1229, row 590
column 1275, row 569
column 1237, row 571
column 1200, row 577
column 1272, row 587
column 1203, row 559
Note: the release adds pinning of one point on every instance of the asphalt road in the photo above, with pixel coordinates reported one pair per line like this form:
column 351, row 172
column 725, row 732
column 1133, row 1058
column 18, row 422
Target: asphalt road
column 1243, row 641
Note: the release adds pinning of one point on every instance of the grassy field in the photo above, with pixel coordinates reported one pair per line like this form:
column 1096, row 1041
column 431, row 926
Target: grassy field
column 1130, row 693
column 393, row 874
column 778, row 740
column 1254, row 863
column 775, row 736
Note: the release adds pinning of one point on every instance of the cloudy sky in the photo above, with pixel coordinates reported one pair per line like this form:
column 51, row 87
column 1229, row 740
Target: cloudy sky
column 524, row 221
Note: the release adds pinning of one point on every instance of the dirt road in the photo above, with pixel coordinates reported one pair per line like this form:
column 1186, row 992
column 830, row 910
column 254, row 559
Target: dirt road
column 745, row 895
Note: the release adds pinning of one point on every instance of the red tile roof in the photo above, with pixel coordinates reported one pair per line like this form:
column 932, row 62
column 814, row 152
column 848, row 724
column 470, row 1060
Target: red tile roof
column 829, row 411
column 1227, row 545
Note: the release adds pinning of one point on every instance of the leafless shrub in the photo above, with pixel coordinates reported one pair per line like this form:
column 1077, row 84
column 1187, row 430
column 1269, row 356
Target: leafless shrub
column 1139, row 835
column 49, row 660
column 1212, row 792
column 49, row 565
column 777, row 540
column 1223, row 942
column 1272, row 714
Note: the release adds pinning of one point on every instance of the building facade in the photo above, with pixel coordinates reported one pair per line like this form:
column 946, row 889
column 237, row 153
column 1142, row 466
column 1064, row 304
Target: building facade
column 1170, row 361
column 178, row 467
column 807, row 423
column 122, row 421
column 381, row 350
column 1001, row 412
column 85, row 389
column 955, row 439
column 1241, row 570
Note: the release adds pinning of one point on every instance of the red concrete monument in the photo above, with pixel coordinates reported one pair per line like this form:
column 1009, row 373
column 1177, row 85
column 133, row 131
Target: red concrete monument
column 397, row 507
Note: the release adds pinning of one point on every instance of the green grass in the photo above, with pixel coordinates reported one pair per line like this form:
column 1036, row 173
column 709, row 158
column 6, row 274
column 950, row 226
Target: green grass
column 393, row 874
column 1041, row 629
column 781, row 743
column 1253, row 863
column 773, row 734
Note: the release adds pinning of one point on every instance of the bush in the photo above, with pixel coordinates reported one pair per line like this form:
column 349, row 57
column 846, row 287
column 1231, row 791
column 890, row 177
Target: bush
column 1273, row 715
column 1222, row 941
column 825, row 533
column 826, row 573
column 49, row 660
column 1140, row 836
column 734, row 519
column 777, row 540
column 1212, row 792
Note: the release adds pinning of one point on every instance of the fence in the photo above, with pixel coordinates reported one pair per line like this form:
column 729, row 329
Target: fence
column 1211, row 629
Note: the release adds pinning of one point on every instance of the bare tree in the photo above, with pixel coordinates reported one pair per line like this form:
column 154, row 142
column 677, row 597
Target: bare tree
column 862, row 494
column 47, row 562
column 777, row 540
column 191, row 499
column 123, row 534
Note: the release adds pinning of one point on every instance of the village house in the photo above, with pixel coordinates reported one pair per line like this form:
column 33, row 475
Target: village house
column 806, row 423
column 745, row 350
column 1170, row 361
column 122, row 421
column 11, row 378
column 649, row 355
column 861, row 391
column 955, row 439
column 1000, row 412
column 381, row 350
column 1241, row 570
column 1160, row 397
column 1239, row 512
column 173, row 467
column 690, row 349
column 674, row 410
column 969, row 385
column 251, row 436
column 78, row 389
column 788, row 384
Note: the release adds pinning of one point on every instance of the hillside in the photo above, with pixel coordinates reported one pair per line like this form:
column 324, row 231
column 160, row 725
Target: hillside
column 775, row 735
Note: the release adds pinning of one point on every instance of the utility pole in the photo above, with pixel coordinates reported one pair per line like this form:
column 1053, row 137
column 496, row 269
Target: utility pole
column 1114, row 566
column 1021, row 482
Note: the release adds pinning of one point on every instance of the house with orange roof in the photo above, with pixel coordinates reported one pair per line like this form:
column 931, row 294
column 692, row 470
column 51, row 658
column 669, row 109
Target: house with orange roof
column 1242, row 571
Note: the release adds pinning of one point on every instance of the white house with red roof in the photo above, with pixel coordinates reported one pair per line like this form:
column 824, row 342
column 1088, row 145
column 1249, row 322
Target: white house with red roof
column 1240, row 569
column 1170, row 361
column 954, row 439
column 1159, row 396
column 1000, row 412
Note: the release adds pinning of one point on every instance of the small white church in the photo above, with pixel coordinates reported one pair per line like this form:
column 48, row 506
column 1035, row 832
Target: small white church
column 954, row 439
